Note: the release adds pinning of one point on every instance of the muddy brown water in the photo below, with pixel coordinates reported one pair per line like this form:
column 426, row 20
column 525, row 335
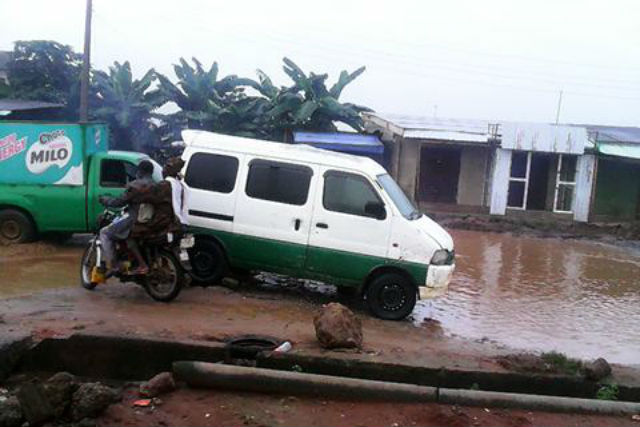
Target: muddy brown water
column 578, row 297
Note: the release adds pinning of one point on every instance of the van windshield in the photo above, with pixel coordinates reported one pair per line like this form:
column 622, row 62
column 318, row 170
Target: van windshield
column 402, row 202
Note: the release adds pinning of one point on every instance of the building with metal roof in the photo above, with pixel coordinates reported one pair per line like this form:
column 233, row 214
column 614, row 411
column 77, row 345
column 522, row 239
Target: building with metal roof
column 508, row 168
column 440, row 163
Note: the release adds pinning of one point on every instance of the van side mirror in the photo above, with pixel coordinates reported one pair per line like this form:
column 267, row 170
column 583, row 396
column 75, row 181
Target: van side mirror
column 375, row 210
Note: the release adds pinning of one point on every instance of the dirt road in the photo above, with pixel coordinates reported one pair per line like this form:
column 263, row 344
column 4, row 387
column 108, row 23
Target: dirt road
column 217, row 408
column 215, row 314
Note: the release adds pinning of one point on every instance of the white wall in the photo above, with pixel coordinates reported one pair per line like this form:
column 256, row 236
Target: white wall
column 585, row 169
column 500, row 184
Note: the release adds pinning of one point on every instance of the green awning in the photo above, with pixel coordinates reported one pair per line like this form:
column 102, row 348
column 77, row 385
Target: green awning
column 630, row 151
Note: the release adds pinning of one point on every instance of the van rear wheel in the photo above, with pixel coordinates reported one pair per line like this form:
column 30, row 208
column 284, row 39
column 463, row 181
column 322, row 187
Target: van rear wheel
column 16, row 227
column 391, row 296
column 208, row 262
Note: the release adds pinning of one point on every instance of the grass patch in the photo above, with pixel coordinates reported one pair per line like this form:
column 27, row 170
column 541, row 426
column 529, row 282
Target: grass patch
column 559, row 362
column 608, row 392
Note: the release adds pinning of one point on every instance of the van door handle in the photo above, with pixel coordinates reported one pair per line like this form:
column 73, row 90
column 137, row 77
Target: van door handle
column 297, row 224
column 322, row 225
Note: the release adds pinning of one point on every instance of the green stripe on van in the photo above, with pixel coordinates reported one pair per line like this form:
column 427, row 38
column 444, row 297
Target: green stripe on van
column 315, row 263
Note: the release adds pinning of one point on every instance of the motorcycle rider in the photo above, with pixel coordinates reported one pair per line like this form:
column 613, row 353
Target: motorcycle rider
column 138, row 211
column 179, row 193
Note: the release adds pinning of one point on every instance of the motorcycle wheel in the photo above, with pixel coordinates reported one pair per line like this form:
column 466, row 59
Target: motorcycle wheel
column 164, row 281
column 86, row 267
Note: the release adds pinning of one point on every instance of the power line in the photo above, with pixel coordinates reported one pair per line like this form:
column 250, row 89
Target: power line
column 407, row 67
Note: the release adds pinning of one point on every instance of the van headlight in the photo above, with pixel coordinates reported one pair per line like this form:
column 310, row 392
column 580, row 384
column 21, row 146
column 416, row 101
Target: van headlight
column 442, row 257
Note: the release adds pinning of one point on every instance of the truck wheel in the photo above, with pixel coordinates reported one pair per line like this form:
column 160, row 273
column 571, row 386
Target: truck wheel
column 208, row 262
column 16, row 227
column 391, row 296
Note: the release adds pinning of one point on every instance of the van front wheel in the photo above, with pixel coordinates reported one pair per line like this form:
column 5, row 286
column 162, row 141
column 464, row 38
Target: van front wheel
column 391, row 296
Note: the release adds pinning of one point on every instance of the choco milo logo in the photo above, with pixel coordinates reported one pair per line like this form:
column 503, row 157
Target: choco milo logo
column 52, row 148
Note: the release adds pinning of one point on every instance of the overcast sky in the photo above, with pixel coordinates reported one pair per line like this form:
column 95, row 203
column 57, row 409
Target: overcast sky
column 491, row 59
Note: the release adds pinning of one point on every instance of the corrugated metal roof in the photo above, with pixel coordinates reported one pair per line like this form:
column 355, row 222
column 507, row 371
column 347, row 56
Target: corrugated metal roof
column 616, row 134
column 418, row 127
column 631, row 151
column 24, row 105
column 341, row 141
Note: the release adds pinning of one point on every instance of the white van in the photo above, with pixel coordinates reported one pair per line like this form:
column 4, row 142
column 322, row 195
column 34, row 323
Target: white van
column 314, row 214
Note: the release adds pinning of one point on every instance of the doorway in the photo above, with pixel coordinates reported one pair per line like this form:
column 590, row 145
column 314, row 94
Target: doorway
column 439, row 171
column 539, row 182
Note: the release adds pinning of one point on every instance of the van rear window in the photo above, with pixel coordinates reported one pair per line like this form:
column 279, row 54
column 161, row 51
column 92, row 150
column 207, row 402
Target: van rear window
column 212, row 172
column 279, row 182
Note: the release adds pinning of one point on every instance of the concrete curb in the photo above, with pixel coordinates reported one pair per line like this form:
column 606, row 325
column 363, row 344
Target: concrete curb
column 214, row 375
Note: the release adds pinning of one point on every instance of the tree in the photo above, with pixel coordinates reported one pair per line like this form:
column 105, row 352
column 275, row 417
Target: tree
column 308, row 104
column 127, row 106
column 206, row 102
column 46, row 71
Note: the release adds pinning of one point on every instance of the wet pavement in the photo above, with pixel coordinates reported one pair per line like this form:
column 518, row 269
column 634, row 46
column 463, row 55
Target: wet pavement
column 581, row 298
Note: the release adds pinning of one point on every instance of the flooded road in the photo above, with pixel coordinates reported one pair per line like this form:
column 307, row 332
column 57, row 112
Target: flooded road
column 25, row 269
column 581, row 298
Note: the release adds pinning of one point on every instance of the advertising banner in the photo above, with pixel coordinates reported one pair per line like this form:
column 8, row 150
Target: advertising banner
column 34, row 153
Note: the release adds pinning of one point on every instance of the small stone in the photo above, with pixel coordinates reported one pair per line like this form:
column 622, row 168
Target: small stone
column 161, row 383
column 90, row 400
column 10, row 412
column 597, row 370
column 337, row 327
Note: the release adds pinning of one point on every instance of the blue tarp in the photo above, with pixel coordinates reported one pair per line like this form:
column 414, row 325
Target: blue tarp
column 345, row 142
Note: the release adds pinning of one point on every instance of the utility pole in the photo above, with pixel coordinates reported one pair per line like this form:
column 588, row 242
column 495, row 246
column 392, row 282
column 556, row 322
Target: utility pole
column 86, row 65
column 559, row 105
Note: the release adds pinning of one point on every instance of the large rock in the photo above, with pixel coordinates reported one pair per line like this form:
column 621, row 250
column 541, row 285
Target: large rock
column 59, row 390
column 161, row 383
column 597, row 370
column 90, row 400
column 34, row 403
column 337, row 327
column 10, row 412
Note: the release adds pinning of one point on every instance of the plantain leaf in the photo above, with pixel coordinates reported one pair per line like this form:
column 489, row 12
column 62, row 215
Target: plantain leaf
column 305, row 112
column 344, row 79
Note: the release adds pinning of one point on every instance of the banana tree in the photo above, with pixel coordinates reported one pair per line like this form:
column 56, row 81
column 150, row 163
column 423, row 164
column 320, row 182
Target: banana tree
column 206, row 102
column 127, row 106
column 308, row 104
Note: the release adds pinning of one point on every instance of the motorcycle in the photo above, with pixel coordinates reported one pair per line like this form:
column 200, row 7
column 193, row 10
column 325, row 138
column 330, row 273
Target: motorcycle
column 166, row 257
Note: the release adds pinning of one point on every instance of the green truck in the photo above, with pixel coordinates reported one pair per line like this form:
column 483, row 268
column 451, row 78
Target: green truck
column 51, row 175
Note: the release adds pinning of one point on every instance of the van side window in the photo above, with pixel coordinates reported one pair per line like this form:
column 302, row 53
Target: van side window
column 116, row 173
column 279, row 182
column 212, row 172
column 349, row 193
